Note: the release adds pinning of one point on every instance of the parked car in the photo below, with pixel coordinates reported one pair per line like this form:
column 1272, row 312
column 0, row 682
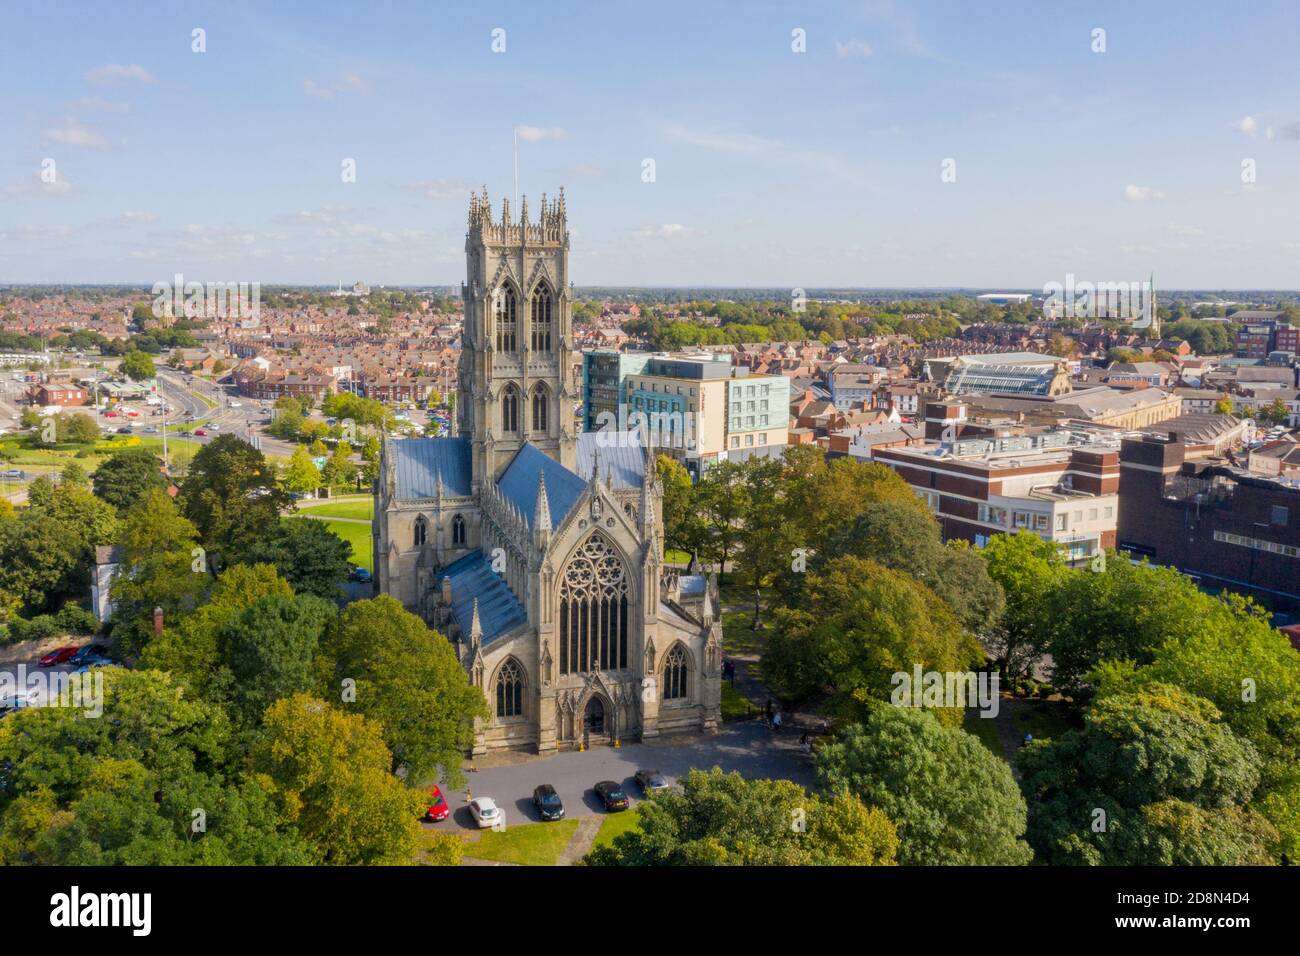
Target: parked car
column 611, row 796
column 363, row 576
column 548, row 803
column 60, row 655
column 124, row 430
column 89, row 652
column 201, row 432
column 438, row 808
column 486, row 813
column 649, row 780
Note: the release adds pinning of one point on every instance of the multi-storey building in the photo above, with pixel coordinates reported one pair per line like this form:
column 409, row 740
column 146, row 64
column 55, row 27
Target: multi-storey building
column 1046, row 484
column 1181, row 507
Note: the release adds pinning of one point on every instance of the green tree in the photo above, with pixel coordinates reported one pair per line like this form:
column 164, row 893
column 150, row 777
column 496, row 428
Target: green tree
column 76, row 428
column 901, row 536
column 269, row 648
column 953, row 801
column 127, row 475
column 138, row 366
column 861, row 623
column 684, row 528
column 46, row 553
column 311, row 557
column 122, row 788
column 1149, row 768
column 330, row 770
column 1030, row 570
column 723, row 819
column 303, row 476
column 339, row 471
column 407, row 678
column 161, row 566
column 188, row 646
column 232, row 496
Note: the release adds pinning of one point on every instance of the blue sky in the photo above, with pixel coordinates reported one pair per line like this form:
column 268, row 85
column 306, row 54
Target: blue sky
column 772, row 168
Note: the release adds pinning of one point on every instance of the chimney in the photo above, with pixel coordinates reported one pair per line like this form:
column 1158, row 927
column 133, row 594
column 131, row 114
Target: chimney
column 446, row 590
column 157, row 621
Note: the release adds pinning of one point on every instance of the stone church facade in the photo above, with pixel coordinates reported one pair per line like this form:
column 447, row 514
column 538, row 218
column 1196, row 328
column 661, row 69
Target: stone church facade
column 537, row 550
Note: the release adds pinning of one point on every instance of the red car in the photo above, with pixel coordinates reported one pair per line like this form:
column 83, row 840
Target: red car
column 60, row 655
column 438, row 809
column 201, row 432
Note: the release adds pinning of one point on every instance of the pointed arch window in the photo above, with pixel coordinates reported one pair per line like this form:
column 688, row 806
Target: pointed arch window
column 421, row 532
column 540, row 408
column 457, row 531
column 593, row 609
column 674, row 682
column 510, row 690
column 510, row 410
column 540, row 322
column 507, row 321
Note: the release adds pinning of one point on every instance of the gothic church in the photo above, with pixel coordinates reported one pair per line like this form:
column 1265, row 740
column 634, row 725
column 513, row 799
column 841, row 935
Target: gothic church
column 539, row 551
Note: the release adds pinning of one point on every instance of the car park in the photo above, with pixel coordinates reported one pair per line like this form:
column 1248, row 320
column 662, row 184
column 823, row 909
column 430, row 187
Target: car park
column 611, row 795
column 486, row 813
column 547, row 803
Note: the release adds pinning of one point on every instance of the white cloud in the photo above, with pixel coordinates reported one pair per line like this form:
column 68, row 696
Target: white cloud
column 1141, row 193
column 441, row 189
column 1247, row 124
column 35, row 186
column 111, row 72
column 534, row 133
column 72, row 133
column 101, row 105
column 726, row 143
column 345, row 83
column 852, row 48
column 669, row 230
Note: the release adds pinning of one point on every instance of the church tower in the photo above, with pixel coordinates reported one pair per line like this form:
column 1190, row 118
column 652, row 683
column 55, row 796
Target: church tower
column 516, row 364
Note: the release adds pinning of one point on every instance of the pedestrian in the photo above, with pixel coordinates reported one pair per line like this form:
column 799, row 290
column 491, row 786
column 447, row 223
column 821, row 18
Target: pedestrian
column 776, row 721
column 769, row 708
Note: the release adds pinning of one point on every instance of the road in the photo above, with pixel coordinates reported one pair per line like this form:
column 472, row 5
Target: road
column 746, row 746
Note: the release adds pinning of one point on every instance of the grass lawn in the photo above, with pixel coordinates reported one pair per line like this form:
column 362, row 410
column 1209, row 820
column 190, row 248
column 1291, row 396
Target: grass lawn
column 615, row 824
column 357, row 535
column 987, row 732
column 363, row 509
column 528, row 844
column 735, row 705
column 737, row 635
column 672, row 556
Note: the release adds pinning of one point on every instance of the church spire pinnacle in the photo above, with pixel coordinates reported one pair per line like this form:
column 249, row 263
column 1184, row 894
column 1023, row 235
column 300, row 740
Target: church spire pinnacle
column 542, row 513
column 475, row 626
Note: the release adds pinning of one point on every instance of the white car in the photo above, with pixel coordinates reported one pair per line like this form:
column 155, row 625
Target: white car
column 486, row 813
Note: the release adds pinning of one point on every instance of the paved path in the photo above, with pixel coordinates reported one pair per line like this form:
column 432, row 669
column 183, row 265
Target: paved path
column 581, row 841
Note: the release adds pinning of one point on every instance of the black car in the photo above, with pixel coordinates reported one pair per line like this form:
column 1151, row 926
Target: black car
column 611, row 795
column 649, row 780
column 548, row 803
column 88, row 653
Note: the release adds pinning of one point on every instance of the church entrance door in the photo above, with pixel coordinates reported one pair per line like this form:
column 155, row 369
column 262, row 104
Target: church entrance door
column 593, row 721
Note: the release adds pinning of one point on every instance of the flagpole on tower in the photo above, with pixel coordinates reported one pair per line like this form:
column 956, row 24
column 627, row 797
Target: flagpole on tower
column 515, row 135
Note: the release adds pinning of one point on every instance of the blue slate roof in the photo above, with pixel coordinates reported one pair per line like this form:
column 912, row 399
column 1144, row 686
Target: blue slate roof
column 419, row 461
column 619, row 453
column 498, row 610
column 518, row 484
